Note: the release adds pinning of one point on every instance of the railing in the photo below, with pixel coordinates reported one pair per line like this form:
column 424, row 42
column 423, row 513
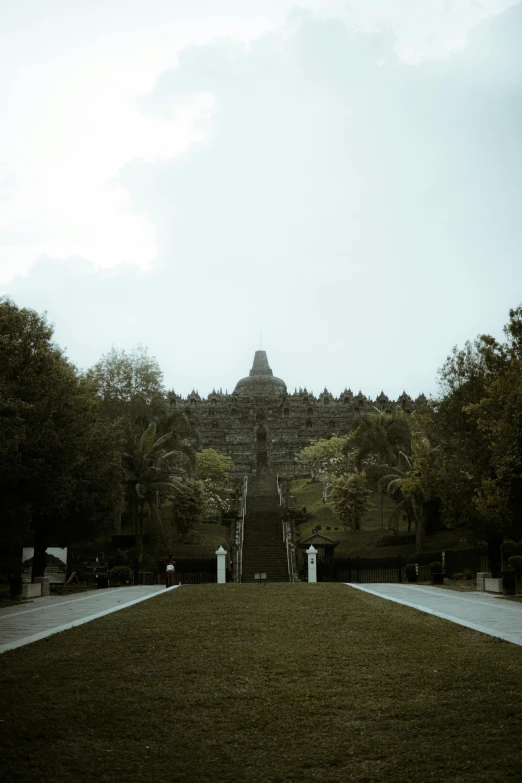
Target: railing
column 189, row 570
column 287, row 533
column 391, row 568
column 280, row 491
column 289, row 550
column 240, row 530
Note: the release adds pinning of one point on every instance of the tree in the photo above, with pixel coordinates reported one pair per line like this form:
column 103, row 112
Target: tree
column 130, row 385
column 498, row 418
column 474, row 431
column 188, row 508
column 213, row 470
column 325, row 455
column 379, row 437
column 350, row 498
column 60, row 482
column 404, row 487
column 149, row 473
column 376, row 441
column 212, row 466
column 131, row 391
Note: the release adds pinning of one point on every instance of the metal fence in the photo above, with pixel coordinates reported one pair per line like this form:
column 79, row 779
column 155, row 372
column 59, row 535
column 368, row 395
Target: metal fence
column 391, row 568
column 190, row 570
column 359, row 569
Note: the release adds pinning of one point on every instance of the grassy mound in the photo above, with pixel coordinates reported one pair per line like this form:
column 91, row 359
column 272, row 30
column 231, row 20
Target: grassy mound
column 362, row 542
column 263, row 684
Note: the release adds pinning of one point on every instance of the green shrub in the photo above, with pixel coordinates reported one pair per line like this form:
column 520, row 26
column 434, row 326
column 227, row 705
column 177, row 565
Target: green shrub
column 458, row 576
column 515, row 564
column 411, row 572
column 121, row 573
column 469, row 573
column 436, row 567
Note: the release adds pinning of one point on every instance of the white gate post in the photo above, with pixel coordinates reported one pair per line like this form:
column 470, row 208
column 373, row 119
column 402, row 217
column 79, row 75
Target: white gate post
column 312, row 563
column 221, row 565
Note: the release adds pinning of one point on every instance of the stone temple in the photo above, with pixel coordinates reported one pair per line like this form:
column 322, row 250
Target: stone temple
column 261, row 425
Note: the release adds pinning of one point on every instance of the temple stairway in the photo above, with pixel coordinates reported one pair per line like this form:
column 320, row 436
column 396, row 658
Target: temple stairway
column 263, row 548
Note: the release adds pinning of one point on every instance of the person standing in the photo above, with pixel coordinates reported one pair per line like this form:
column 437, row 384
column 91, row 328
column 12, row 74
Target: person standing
column 170, row 572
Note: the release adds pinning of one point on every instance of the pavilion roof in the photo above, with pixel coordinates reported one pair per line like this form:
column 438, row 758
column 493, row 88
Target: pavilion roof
column 317, row 540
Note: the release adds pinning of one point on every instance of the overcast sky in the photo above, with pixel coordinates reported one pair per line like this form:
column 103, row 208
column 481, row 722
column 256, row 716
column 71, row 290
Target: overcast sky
column 343, row 178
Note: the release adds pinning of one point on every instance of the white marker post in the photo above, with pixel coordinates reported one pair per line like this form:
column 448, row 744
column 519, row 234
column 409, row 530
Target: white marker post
column 221, row 565
column 312, row 563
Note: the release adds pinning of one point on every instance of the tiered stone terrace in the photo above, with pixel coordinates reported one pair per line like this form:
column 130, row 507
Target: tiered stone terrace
column 260, row 423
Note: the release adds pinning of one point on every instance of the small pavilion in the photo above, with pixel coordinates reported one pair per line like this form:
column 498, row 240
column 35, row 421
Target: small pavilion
column 327, row 545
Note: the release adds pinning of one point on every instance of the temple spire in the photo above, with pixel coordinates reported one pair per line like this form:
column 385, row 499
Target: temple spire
column 260, row 365
column 261, row 381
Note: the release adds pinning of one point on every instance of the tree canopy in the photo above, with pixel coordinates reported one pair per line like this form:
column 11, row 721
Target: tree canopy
column 60, row 458
column 130, row 385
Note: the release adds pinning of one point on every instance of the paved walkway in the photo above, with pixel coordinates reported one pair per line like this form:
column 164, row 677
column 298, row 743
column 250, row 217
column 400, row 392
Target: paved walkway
column 483, row 612
column 24, row 623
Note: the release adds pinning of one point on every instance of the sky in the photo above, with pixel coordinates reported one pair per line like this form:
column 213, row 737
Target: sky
column 340, row 184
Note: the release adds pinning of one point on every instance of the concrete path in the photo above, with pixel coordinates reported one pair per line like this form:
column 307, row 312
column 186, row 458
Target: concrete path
column 481, row 611
column 25, row 623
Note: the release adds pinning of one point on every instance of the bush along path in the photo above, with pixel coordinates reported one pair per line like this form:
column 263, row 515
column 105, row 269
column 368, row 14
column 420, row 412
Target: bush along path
column 265, row 683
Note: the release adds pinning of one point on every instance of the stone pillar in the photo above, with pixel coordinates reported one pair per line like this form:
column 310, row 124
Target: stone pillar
column 221, row 565
column 312, row 563
column 44, row 581
column 481, row 579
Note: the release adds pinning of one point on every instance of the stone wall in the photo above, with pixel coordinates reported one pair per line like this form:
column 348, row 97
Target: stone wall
column 272, row 429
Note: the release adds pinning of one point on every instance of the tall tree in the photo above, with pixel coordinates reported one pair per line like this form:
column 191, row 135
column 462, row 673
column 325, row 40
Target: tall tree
column 130, row 385
column 326, row 455
column 498, row 419
column 376, row 441
column 150, row 475
column 61, row 482
column 474, row 430
column 188, row 509
column 350, row 498
column 213, row 471
column 379, row 437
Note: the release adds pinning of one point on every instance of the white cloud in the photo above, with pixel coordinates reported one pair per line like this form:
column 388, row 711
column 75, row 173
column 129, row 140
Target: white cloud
column 73, row 119
column 65, row 202
column 361, row 212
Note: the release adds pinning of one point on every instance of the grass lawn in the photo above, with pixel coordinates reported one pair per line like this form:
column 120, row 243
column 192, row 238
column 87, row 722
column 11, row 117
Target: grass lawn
column 207, row 538
column 272, row 683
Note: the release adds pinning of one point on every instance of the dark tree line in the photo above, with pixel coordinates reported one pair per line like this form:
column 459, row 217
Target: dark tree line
column 457, row 459
column 60, row 457
column 78, row 449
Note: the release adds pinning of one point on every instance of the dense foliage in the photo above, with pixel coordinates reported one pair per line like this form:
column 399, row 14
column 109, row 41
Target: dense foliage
column 78, row 450
column 60, row 458
column 456, row 460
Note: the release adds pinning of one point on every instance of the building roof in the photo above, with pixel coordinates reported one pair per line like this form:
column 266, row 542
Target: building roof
column 317, row 540
column 261, row 381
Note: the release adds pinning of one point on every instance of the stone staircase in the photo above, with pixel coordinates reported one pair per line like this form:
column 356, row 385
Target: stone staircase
column 263, row 548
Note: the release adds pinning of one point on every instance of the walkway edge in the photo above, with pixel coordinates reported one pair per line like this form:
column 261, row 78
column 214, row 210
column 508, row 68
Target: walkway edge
column 59, row 628
column 474, row 626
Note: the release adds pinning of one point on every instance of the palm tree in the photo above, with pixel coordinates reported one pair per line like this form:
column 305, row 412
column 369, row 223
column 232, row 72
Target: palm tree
column 378, row 439
column 149, row 471
column 402, row 487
